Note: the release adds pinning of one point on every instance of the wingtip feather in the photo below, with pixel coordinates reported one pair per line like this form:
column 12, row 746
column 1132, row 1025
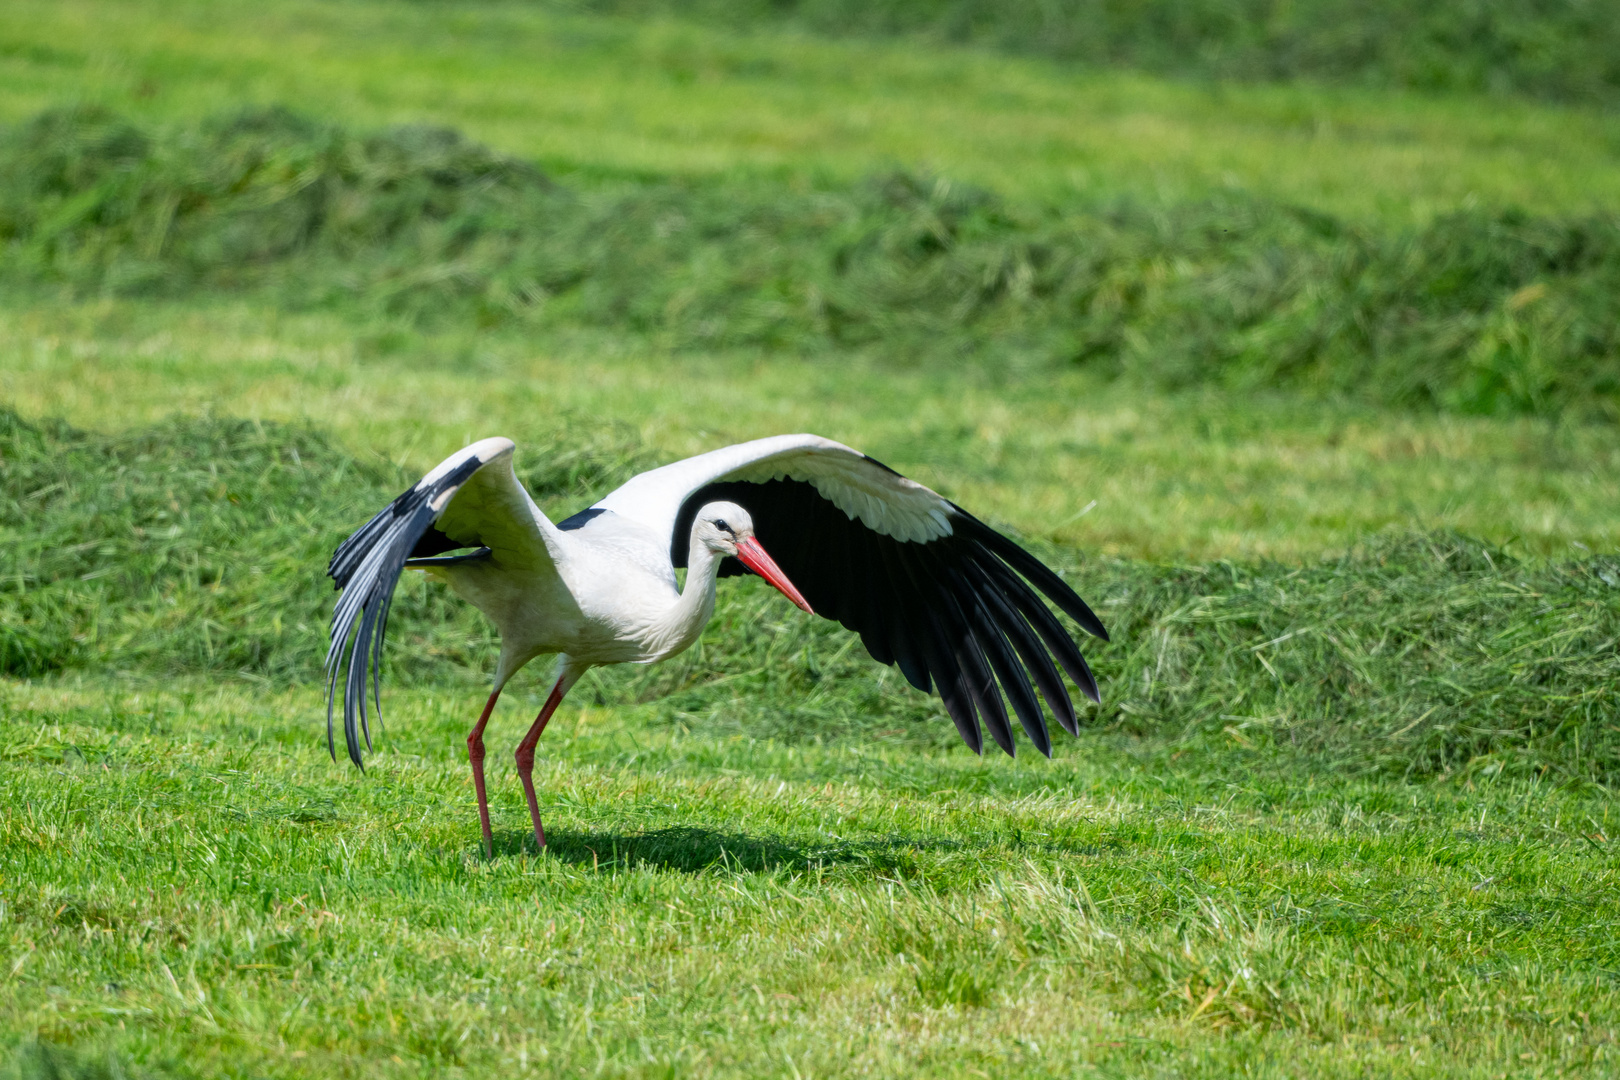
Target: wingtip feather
column 366, row 567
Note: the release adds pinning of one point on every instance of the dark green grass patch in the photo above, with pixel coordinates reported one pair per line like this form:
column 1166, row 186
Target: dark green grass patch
column 1560, row 49
column 1479, row 311
column 199, row 545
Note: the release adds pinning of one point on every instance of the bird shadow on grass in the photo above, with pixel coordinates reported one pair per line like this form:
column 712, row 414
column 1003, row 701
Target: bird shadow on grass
column 694, row 850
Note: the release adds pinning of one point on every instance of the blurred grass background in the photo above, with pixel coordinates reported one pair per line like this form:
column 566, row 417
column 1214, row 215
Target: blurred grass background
column 1561, row 51
column 1287, row 332
column 1478, row 312
column 664, row 97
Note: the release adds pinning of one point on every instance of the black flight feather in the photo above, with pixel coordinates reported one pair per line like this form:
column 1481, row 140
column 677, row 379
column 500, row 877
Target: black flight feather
column 964, row 615
column 366, row 567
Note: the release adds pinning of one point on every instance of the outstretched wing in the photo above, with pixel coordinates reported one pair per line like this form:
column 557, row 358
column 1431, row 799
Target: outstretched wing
column 930, row 588
column 472, row 500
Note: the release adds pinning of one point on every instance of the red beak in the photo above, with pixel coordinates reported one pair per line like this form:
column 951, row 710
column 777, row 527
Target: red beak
column 751, row 555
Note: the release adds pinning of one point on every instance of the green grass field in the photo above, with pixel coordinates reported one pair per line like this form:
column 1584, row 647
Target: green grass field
column 1311, row 388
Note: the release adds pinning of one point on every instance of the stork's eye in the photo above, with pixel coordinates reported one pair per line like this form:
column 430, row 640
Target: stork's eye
column 723, row 527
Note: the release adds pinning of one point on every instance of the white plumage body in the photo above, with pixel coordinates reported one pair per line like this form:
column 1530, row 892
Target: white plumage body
column 609, row 596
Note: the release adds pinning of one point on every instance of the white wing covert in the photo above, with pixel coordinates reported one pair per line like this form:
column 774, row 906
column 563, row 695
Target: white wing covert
column 862, row 487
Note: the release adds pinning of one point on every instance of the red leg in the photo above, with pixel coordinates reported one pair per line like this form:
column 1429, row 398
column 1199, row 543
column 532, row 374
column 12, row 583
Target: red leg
column 475, row 754
column 525, row 752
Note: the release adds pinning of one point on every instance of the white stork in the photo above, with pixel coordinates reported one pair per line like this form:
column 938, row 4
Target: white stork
column 928, row 586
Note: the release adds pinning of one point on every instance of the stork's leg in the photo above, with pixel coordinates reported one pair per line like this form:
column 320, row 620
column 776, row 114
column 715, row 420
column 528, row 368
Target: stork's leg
column 475, row 754
column 525, row 751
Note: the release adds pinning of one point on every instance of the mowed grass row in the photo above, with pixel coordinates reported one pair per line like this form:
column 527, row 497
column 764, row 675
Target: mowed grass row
column 194, row 889
column 197, row 546
column 1478, row 312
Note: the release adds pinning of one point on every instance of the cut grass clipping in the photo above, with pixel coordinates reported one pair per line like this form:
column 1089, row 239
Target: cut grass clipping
column 1477, row 312
column 198, row 545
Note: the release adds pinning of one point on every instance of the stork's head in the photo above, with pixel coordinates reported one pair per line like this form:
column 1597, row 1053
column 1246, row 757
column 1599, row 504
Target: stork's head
column 727, row 529
column 721, row 526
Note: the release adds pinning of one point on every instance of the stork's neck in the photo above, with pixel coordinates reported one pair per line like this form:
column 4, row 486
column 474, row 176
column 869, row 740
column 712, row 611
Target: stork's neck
column 687, row 617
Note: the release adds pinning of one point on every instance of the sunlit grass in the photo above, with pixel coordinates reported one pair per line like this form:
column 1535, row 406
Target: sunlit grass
column 184, row 869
